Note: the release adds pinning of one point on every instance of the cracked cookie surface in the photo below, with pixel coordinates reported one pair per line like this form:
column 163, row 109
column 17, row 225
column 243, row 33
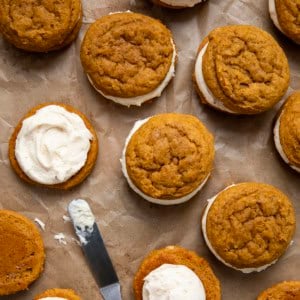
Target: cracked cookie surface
column 170, row 156
column 245, row 68
column 250, row 224
column 127, row 54
column 288, row 14
column 21, row 252
column 178, row 256
column 40, row 26
column 289, row 129
column 286, row 290
column 62, row 293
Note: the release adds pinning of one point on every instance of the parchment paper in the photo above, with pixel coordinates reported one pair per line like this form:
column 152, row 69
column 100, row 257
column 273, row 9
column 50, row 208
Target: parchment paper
column 131, row 226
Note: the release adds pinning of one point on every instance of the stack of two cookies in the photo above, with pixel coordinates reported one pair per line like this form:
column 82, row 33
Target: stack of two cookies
column 40, row 27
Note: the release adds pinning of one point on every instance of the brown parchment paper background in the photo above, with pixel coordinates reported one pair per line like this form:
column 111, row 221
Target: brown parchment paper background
column 131, row 226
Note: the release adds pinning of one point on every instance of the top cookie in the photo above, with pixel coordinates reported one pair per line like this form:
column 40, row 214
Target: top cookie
column 286, row 290
column 250, row 225
column 170, row 156
column 289, row 129
column 127, row 54
column 288, row 15
column 40, row 26
column 245, row 68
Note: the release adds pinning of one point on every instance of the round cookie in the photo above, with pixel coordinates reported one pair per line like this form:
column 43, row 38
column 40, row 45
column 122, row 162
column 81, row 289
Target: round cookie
column 177, row 4
column 241, row 69
column 129, row 58
column 76, row 178
column 40, row 26
column 22, row 265
column 168, row 158
column 285, row 15
column 248, row 226
column 286, row 290
column 176, row 255
column 287, row 132
column 67, row 294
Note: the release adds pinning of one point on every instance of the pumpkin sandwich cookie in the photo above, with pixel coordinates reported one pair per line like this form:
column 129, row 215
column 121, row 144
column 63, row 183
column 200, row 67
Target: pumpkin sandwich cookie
column 287, row 132
column 58, row 294
column 286, row 290
column 241, row 69
column 285, row 15
column 22, row 253
column 249, row 226
column 175, row 273
column 177, row 3
column 168, row 158
column 54, row 145
column 129, row 58
column 40, row 26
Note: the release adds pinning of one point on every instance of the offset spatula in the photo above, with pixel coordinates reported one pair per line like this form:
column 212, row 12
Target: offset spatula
column 94, row 249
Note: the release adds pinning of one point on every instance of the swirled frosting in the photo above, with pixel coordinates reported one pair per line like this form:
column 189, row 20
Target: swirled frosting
column 52, row 145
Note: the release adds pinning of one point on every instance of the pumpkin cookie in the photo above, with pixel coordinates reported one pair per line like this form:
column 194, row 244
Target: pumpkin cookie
column 129, row 58
column 241, row 69
column 54, row 145
column 287, row 132
column 176, row 270
column 22, row 253
column 248, row 226
column 57, row 294
column 286, row 290
column 177, row 3
column 40, row 26
column 168, row 158
column 285, row 15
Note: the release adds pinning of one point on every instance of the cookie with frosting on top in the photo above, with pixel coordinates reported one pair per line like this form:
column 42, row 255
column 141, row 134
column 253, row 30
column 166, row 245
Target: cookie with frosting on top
column 58, row 294
column 54, row 146
column 174, row 270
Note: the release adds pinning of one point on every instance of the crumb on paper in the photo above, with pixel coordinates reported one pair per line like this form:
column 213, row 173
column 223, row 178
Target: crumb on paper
column 40, row 223
column 66, row 219
column 60, row 237
column 76, row 241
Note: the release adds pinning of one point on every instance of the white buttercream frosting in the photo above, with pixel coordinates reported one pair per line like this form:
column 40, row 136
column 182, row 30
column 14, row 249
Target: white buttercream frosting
column 136, row 126
column 203, row 87
column 82, row 217
column 181, row 3
column 52, row 145
column 139, row 100
column 209, row 245
column 173, row 282
column 279, row 146
column 53, row 298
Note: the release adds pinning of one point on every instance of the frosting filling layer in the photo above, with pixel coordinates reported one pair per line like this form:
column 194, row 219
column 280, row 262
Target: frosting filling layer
column 200, row 81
